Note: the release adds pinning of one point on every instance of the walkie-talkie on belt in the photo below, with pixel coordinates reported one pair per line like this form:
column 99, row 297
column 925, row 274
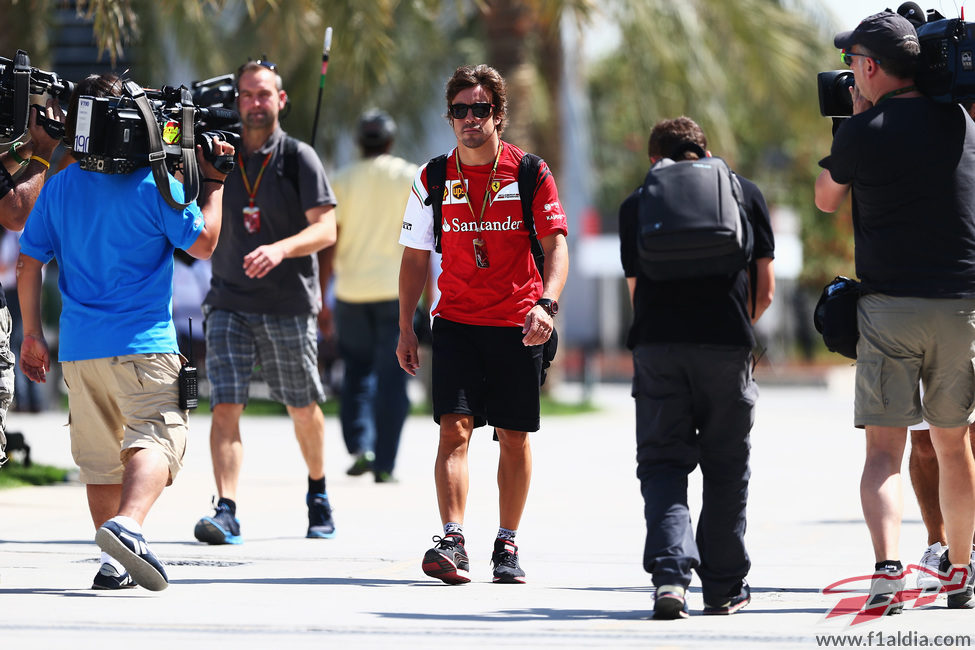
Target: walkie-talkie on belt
column 188, row 390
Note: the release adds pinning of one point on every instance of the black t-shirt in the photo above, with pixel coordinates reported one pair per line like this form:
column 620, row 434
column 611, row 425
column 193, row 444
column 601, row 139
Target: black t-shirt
column 711, row 310
column 911, row 162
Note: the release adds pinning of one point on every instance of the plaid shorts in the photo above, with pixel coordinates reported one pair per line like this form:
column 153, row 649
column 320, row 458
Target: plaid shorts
column 284, row 349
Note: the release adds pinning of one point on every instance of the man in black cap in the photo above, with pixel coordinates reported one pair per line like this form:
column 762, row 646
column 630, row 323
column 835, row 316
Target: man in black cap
column 366, row 259
column 911, row 164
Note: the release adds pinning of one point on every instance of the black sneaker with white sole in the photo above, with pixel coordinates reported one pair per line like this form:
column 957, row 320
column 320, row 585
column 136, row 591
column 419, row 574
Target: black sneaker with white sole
column 958, row 584
column 669, row 603
column 131, row 550
column 886, row 587
column 108, row 578
column 447, row 560
column 222, row 528
column 320, row 522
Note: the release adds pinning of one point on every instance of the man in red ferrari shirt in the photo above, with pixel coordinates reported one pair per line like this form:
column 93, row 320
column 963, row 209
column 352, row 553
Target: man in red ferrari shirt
column 494, row 313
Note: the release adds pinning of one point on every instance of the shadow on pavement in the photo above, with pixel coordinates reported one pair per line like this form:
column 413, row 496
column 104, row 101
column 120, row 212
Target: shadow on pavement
column 348, row 582
column 533, row 614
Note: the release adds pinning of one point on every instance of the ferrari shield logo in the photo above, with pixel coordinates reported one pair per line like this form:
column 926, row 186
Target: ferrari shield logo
column 495, row 186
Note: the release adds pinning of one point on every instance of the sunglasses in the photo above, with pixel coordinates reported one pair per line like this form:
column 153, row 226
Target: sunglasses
column 480, row 110
column 273, row 67
column 848, row 57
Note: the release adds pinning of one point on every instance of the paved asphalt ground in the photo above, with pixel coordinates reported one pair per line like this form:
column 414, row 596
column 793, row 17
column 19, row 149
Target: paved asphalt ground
column 581, row 545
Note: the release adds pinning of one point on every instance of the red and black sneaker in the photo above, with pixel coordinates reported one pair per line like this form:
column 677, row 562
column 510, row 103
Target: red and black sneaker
column 505, row 561
column 447, row 560
column 735, row 602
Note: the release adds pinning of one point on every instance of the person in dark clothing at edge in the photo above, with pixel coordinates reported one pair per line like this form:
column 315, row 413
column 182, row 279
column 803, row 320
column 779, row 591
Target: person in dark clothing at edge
column 910, row 163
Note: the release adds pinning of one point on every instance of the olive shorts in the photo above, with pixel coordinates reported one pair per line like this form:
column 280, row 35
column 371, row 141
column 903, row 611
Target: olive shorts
column 904, row 340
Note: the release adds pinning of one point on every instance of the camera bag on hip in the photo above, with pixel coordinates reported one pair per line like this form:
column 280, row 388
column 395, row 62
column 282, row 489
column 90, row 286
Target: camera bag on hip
column 692, row 222
column 835, row 316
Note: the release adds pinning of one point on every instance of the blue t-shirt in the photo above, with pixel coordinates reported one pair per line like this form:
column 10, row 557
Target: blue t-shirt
column 113, row 236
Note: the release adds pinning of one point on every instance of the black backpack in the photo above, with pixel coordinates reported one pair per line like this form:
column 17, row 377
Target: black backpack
column 692, row 222
column 528, row 183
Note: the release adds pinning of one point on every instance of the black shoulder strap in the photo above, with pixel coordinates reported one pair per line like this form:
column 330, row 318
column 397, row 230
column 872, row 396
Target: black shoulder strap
column 752, row 266
column 436, row 178
column 528, row 183
column 289, row 164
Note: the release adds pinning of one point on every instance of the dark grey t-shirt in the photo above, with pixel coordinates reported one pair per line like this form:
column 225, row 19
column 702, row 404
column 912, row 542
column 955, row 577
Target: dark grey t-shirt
column 292, row 287
column 911, row 162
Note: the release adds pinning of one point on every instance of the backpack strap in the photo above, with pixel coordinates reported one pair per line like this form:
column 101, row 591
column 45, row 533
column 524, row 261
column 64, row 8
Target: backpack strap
column 436, row 178
column 289, row 163
column 752, row 266
column 528, row 183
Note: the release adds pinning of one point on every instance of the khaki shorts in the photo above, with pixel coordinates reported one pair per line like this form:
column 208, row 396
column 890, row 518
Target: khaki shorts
column 904, row 340
column 120, row 404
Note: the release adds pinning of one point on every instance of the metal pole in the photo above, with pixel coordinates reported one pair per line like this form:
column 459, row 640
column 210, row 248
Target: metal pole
column 326, row 46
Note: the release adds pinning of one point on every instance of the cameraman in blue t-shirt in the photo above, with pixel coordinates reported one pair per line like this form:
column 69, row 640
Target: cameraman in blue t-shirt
column 113, row 236
column 911, row 165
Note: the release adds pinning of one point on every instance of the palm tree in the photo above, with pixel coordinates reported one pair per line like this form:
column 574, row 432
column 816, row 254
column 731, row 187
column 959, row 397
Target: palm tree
column 744, row 70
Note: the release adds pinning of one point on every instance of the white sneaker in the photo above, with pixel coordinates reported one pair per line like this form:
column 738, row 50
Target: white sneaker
column 927, row 577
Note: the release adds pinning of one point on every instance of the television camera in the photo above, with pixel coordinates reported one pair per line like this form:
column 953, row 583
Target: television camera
column 159, row 128
column 18, row 82
column 946, row 67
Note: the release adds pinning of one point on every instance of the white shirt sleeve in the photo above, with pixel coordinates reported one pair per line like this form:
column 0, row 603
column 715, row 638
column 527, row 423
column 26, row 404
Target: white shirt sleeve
column 417, row 231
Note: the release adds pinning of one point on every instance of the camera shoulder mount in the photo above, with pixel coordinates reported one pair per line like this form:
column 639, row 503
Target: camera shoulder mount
column 157, row 154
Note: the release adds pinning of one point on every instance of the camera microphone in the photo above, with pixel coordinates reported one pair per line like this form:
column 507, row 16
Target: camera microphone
column 913, row 12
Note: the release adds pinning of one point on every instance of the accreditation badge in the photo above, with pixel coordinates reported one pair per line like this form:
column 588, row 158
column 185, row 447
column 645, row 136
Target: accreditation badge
column 252, row 219
column 480, row 253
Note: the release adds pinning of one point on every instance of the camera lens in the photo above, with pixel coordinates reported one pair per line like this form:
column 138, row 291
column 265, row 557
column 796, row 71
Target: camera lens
column 842, row 85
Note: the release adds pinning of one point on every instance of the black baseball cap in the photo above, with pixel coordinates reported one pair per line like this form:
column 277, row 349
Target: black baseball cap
column 376, row 128
column 887, row 35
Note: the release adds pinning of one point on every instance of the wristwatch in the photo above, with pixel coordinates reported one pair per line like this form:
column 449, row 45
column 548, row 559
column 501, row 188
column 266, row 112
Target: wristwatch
column 549, row 305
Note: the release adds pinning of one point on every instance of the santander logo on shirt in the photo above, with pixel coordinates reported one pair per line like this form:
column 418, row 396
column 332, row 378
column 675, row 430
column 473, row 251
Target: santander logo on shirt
column 456, row 225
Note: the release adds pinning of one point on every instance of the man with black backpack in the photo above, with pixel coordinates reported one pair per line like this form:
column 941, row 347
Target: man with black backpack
column 496, row 308
column 279, row 211
column 696, row 245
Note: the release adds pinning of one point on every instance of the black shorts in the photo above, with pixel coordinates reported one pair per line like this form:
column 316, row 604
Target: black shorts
column 486, row 372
